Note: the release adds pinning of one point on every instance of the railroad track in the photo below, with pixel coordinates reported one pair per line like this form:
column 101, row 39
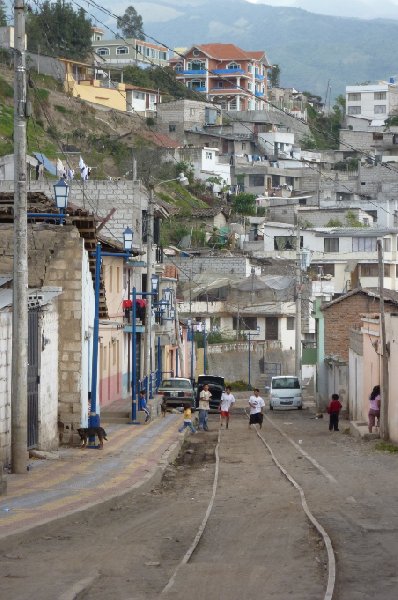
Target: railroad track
column 301, row 498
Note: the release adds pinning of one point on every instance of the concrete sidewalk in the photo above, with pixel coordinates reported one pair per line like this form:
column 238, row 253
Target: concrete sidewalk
column 134, row 457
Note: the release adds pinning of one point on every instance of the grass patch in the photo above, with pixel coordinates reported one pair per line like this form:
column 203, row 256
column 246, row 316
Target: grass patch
column 6, row 90
column 61, row 109
column 386, row 447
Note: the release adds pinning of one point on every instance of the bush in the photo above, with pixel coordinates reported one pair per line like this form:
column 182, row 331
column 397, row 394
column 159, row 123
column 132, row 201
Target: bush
column 61, row 108
column 238, row 386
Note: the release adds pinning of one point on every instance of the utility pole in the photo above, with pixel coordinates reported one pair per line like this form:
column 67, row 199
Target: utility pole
column 298, row 301
column 149, row 271
column 384, row 359
column 19, row 383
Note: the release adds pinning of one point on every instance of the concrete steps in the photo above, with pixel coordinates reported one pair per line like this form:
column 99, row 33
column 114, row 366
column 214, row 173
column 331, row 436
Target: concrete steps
column 115, row 416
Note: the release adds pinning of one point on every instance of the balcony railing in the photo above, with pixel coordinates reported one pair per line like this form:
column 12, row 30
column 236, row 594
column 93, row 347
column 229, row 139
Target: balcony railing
column 259, row 77
column 228, row 72
column 259, row 94
column 192, row 72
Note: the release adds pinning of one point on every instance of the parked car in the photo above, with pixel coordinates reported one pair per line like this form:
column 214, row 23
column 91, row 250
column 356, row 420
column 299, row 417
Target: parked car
column 285, row 392
column 177, row 391
column 216, row 387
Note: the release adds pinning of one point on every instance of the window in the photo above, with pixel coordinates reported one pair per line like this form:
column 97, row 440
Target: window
column 233, row 66
column 196, row 65
column 380, row 96
column 209, row 155
column 364, row 244
column 354, row 97
column 286, row 242
column 179, row 67
column 243, row 145
column 256, row 180
column 220, row 84
column 139, row 95
column 387, row 244
column 250, row 69
column 322, row 269
column 271, row 328
column 122, row 50
column 172, row 127
column 377, row 136
column 380, row 109
column 245, row 323
column 163, row 55
column 372, row 270
column 331, row 244
column 103, row 52
column 290, row 323
column 197, row 84
column 354, row 110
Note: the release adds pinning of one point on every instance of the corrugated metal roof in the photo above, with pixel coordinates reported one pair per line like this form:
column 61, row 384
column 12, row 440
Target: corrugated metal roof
column 36, row 297
column 5, row 279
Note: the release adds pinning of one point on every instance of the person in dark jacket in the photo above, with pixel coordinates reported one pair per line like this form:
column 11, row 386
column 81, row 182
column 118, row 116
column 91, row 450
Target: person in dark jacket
column 334, row 409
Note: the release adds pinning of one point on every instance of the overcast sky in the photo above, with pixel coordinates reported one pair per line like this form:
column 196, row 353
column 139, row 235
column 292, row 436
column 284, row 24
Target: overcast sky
column 163, row 10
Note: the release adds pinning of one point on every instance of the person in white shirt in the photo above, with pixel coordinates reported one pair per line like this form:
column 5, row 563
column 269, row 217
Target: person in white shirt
column 204, row 407
column 227, row 400
column 256, row 404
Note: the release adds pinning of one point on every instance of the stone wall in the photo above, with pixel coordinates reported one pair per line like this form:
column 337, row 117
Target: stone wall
column 5, row 387
column 190, row 267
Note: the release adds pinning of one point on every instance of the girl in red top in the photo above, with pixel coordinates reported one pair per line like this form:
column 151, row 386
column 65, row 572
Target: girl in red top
column 334, row 409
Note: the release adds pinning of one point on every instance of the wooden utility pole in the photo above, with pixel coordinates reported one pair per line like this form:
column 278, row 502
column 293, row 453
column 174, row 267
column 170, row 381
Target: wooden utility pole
column 19, row 384
column 298, row 301
column 384, row 359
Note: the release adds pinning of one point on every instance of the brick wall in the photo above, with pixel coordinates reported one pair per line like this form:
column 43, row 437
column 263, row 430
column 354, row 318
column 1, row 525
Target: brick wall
column 343, row 316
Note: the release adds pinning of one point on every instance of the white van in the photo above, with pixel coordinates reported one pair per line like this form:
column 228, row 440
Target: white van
column 285, row 392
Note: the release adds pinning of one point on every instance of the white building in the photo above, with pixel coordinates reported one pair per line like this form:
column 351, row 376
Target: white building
column 346, row 258
column 375, row 102
column 142, row 100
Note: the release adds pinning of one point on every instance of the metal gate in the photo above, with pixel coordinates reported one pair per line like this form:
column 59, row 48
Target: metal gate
column 33, row 378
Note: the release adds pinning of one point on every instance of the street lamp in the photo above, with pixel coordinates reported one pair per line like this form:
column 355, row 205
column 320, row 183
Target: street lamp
column 128, row 235
column 61, row 193
column 182, row 180
column 190, row 330
column 94, row 418
column 250, row 334
column 154, row 283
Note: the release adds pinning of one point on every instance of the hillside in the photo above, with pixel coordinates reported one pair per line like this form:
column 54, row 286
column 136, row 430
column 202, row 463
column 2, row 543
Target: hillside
column 64, row 127
column 310, row 48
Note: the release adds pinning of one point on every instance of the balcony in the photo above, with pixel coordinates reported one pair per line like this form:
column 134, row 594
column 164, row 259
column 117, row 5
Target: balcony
column 190, row 73
column 259, row 94
column 259, row 77
column 228, row 72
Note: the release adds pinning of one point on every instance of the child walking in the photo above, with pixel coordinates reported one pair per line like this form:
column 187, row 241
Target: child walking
column 334, row 409
column 143, row 405
column 187, row 420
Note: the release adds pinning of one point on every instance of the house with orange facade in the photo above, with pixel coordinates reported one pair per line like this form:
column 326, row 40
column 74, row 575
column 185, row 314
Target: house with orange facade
column 234, row 78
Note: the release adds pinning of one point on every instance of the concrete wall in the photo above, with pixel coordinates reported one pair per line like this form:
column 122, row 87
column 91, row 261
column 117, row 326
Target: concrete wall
column 232, row 360
column 392, row 328
column 69, row 269
column 5, row 386
column 48, row 389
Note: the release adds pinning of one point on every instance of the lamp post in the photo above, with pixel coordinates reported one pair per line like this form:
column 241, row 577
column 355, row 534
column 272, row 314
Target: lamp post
column 250, row 334
column 61, row 193
column 94, row 418
column 149, row 268
column 190, row 330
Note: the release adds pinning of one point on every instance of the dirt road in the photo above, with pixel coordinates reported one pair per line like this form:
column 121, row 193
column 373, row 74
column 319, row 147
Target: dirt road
column 257, row 543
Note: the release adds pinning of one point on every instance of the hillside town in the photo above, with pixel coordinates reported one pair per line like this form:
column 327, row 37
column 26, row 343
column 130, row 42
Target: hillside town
column 226, row 241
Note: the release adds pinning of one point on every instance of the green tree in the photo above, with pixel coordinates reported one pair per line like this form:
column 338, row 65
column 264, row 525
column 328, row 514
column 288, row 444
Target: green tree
column 3, row 14
column 57, row 30
column 130, row 24
column 325, row 128
column 245, row 204
column 275, row 76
